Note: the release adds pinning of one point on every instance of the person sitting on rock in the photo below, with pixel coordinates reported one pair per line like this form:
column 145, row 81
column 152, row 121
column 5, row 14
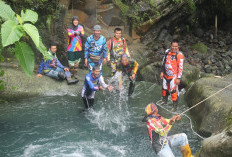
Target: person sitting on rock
column 95, row 49
column 116, row 47
column 53, row 68
column 158, row 128
column 91, row 85
column 128, row 67
column 171, row 72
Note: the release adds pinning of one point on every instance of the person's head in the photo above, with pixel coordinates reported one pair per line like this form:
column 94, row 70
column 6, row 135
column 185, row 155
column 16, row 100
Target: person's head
column 124, row 59
column 175, row 46
column 117, row 33
column 53, row 47
column 151, row 109
column 97, row 31
column 75, row 20
column 96, row 70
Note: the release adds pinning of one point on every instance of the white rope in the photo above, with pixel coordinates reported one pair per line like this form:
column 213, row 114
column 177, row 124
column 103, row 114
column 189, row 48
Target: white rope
column 160, row 102
column 206, row 99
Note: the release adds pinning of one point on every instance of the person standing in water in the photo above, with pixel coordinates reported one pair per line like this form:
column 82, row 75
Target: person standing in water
column 94, row 81
column 75, row 34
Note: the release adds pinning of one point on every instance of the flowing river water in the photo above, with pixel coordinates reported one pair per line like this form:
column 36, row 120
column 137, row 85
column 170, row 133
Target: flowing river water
column 56, row 126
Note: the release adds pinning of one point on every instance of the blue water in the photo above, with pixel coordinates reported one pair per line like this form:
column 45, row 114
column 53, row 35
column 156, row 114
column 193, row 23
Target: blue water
column 55, row 126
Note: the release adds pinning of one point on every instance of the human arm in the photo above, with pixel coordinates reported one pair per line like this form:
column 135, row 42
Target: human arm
column 104, row 51
column 174, row 118
column 87, row 47
column 109, row 49
column 180, row 65
column 90, row 83
column 71, row 33
column 41, row 66
column 134, row 70
column 104, row 85
column 126, row 48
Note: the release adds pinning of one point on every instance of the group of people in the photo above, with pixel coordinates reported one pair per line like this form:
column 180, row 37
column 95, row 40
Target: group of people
column 96, row 52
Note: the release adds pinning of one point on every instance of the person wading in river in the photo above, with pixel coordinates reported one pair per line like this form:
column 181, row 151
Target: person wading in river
column 171, row 72
column 94, row 81
column 158, row 128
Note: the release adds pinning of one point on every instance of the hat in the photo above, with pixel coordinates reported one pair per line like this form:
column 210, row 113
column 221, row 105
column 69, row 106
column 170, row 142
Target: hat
column 151, row 108
column 97, row 28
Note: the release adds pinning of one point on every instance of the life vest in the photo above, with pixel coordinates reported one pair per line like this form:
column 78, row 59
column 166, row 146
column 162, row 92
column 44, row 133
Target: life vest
column 173, row 64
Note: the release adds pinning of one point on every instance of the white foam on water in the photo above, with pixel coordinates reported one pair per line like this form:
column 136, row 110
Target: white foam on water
column 31, row 150
column 113, row 114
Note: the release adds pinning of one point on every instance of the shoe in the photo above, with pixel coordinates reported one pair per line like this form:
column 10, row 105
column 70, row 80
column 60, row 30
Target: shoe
column 70, row 81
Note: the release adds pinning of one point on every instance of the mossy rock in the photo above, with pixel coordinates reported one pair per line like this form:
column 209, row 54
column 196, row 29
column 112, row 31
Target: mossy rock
column 200, row 47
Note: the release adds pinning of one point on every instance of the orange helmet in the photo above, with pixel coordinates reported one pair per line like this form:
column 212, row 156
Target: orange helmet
column 151, row 108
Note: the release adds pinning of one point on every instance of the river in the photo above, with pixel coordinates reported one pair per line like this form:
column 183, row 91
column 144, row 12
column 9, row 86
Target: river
column 56, row 126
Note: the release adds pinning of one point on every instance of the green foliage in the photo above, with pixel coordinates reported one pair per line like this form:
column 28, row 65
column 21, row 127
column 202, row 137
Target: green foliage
column 25, row 55
column 32, row 32
column 123, row 7
column 29, row 16
column 190, row 4
column 11, row 32
column 14, row 28
column 6, row 12
column 200, row 47
column 192, row 76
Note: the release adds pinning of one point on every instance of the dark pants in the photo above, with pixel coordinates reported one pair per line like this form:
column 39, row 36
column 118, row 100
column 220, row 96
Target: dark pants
column 88, row 102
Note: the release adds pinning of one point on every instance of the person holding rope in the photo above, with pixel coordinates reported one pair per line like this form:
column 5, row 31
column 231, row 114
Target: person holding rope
column 91, row 85
column 171, row 72
column 95, row 49
column 158, row 128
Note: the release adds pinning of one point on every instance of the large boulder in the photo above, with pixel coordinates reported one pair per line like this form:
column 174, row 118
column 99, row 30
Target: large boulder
column 213, row 115
column 19, row 86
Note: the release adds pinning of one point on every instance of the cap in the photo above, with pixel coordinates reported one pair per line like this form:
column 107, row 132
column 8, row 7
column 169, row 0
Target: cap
column 151, row 108
column 97, row 28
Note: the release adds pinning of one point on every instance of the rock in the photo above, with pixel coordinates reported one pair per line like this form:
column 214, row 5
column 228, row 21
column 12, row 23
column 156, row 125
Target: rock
column 208, row 69
column 221, row 44
column 89, row 8
column 164, row 36
column 199, row 32
column 116, row 21
column 214, row 117
column 19, row 86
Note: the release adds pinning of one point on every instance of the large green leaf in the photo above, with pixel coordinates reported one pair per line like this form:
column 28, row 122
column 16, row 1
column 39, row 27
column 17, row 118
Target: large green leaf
column 29, row 15
column 25, row 56
column 11, row 32
column 32, row 31
column 43, row 50
column 6, row 12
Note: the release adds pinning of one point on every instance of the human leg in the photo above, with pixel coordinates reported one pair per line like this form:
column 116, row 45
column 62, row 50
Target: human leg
column 166, row 151
column 165, row 87
column 56, row 73
column 174, row 93
column 181, row 141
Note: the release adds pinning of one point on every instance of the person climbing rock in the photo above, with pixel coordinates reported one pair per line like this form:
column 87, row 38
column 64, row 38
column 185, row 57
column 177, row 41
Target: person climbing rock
column 116, row 47
column 158, row 128
column 94, row 81
column 127, row 67
column 53, row 68
column 75, row 34
column 95, row 49
column 171, row 72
